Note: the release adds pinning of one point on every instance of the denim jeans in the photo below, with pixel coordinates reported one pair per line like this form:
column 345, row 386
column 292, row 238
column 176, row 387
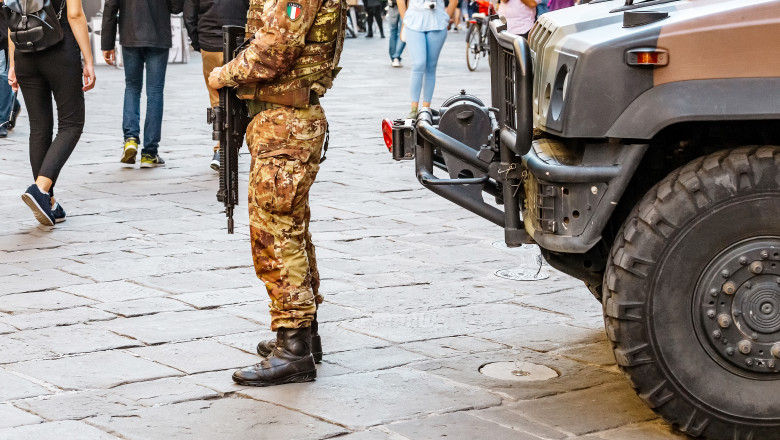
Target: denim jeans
column 425, row 48
column 6, row 93
column 395, row 22
column 156, row 63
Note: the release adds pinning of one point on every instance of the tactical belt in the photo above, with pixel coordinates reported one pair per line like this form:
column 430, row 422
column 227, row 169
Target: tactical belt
column 256, row 106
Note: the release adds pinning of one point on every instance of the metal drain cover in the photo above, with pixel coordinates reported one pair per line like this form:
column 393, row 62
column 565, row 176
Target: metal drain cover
column 501, row 244
column 518, row 371
column 522, row 274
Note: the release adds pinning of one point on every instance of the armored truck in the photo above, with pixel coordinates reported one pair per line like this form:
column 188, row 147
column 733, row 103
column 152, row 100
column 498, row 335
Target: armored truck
column 637, row 143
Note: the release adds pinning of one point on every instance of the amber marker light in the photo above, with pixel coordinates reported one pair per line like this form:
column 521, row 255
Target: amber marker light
column 387, row 133
column 647, row 57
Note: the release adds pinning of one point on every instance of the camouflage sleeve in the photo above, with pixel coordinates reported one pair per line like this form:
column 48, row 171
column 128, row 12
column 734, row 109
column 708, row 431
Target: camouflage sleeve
column 277, row 43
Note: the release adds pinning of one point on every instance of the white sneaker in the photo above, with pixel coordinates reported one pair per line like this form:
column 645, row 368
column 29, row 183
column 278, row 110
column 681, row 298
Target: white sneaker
column 396, row 62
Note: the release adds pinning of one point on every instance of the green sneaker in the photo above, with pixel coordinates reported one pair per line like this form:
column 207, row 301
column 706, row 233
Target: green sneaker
column 130, row 150
column 151, row 161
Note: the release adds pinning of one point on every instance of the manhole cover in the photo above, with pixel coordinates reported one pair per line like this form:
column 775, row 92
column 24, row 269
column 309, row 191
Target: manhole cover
column 529, row 253
column 501, row 244
column 518, row 371
column 522, row 274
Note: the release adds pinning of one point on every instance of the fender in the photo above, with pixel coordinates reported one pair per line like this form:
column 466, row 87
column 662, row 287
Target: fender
column 715, row 100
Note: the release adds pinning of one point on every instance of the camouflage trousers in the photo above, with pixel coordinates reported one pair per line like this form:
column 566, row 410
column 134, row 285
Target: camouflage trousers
column 285, row 143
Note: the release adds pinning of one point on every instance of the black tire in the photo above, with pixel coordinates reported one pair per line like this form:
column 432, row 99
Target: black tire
column 473, row 48
column 703, row 225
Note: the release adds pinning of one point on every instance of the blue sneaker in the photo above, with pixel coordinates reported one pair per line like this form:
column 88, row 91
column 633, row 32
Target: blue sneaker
column 58, row 213
column 40, row 204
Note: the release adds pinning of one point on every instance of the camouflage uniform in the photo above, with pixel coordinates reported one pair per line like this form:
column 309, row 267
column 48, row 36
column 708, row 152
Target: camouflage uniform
column 290, row 63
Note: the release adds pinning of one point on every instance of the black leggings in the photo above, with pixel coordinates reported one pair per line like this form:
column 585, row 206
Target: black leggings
column 375, row 12
column 55, row 71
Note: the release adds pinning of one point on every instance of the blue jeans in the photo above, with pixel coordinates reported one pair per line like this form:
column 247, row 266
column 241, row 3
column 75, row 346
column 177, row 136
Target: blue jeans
column 396, row 45
column 6, row 93
column 156, row 61
column 425, row 48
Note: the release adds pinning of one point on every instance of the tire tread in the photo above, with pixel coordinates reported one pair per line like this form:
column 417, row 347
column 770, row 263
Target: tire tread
column 660, row 214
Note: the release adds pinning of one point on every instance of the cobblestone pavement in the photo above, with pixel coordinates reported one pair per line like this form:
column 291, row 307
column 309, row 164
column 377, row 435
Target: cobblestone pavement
column 127, row 320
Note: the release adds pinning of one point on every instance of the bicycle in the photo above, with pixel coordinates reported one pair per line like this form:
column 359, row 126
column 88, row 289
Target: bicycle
column 476, row 40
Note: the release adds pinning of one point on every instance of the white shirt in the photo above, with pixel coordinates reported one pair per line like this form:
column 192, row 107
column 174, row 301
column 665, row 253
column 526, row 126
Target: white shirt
column 422, row 19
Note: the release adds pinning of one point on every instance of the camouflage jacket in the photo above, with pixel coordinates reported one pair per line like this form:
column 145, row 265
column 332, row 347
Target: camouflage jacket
column 295, row 50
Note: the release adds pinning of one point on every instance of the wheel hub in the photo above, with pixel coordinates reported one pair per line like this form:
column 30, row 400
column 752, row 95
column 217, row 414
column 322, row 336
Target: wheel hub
column 739, row 306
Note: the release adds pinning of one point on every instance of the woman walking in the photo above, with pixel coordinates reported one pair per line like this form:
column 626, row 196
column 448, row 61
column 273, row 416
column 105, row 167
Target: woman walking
column 425, row 28
column 55, row 71
column 520, row 15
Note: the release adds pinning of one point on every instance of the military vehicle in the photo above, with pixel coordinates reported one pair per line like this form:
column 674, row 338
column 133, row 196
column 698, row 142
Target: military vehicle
column 637, row 143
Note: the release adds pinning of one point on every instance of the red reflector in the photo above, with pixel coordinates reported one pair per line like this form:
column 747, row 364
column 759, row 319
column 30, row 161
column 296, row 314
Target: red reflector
column 387, row 133
column 473, row 21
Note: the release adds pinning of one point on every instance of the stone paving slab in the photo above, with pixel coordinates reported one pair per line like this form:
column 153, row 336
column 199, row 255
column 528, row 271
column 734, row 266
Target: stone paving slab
column 47, row 279
column 11, row 416
column 457, row 426
column 419, row 297
column 15, row 387
column 400, row 392
column 218, row 298
column 113, row 291
column 39, row 301
column 450, row 322
column 455, row 346
column 506, row 417
column 197, row 356
column 232, row 418
column 73, row 339
column 95, row 370
column 57, row 318
column 12, row 350
column 143, row 307
column 587, row 411
column 655, row 430
column 55, row 431
column 571, row 375
column 78, row 405
column 178, row 326
column 537, row 337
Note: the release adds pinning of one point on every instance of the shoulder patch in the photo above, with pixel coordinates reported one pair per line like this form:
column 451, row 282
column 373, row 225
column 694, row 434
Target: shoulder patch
column 294, row 10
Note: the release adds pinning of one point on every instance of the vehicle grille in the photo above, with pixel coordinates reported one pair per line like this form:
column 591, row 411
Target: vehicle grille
column 509, row 73
column 538, row 38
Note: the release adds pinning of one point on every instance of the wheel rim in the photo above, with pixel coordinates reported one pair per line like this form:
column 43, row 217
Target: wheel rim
column 737, row 308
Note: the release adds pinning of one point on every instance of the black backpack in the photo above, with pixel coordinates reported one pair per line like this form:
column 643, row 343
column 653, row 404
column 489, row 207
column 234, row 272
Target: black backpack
column 34, row 24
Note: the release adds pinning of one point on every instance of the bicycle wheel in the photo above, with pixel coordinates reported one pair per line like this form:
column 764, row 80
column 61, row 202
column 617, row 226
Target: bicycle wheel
column 473, row 47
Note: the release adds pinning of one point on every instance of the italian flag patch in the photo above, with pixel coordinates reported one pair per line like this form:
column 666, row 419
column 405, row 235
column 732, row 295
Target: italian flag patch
column 294, row 10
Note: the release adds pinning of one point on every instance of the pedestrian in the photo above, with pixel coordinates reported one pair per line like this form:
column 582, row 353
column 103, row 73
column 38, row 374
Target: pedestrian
column 204, row 20
column 56, row 71
column 553, row 5
column 145, row 36
column 520, row 15
column 425, row 27
column 395, row 22
column 281, row 74
column 461, row 13
column 9, row 105
column 374, row 11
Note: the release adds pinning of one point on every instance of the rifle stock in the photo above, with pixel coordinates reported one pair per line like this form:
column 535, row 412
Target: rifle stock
column 229, row 121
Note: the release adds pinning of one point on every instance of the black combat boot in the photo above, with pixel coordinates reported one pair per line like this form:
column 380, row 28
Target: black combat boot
column 264, row 348
column 289, row 362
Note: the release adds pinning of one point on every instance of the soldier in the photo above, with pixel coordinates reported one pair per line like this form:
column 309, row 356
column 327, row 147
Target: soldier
column 290, row 62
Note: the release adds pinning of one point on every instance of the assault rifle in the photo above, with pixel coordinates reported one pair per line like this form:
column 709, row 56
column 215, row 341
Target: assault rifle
column 229, row 121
